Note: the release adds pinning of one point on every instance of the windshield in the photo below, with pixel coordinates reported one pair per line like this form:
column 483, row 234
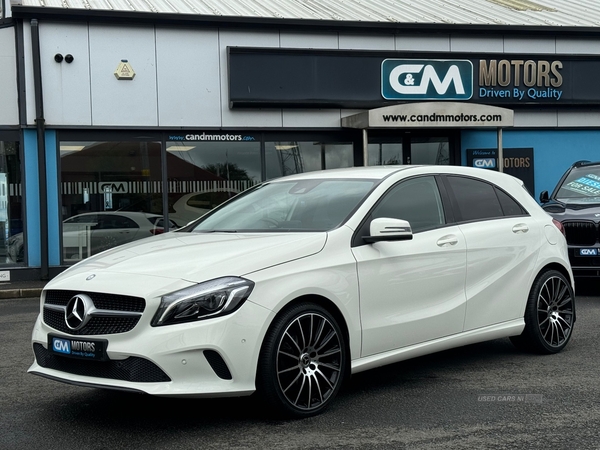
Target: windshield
column 582, row 185
column 306, row 205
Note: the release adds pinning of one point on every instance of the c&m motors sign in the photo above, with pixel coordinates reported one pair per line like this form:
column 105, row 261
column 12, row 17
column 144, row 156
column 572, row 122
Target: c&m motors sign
column 426, row 79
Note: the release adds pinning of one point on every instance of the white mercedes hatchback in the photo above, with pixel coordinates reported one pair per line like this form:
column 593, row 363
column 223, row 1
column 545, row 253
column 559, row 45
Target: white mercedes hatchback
column 293, row 285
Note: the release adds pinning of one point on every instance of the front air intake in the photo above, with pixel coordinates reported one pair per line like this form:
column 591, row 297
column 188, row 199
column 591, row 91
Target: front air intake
column 218, row 365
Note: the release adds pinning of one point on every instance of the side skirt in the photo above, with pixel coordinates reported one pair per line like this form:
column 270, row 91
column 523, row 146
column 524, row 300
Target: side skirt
column 497, row 331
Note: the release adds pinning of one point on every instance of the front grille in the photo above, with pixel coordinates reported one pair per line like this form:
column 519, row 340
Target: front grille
column 101, row 301
column 133, row 369
column 96, row 325
column 100, row 324
column 582, row 233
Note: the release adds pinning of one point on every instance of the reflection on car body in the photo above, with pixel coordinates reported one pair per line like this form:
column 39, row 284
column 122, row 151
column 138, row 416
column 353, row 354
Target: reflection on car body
column 299, row 282
column 191, row 206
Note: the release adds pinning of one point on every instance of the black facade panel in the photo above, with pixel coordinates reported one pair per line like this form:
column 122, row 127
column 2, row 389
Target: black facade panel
column 303, row 79
column 266, row 77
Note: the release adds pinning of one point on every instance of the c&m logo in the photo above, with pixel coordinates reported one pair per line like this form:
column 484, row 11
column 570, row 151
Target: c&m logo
column 61, row 345
column 485, row 163
column 426, row 79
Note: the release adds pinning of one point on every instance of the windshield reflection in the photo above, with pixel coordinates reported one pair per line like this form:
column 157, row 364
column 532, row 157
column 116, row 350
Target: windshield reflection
column 288, row 206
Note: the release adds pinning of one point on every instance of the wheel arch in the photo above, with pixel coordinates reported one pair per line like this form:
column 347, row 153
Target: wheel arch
column 563, row 270
column 556, row 266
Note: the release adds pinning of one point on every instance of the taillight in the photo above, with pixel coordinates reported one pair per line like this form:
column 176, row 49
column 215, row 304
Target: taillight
column 560, row 227
column 156, row 231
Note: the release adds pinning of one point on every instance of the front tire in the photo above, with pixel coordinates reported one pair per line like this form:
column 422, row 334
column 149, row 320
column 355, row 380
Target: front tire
column 549, row 315
column 303, row 361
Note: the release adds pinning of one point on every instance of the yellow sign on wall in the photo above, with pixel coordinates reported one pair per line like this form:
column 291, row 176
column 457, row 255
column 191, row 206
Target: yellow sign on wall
column 124, row 71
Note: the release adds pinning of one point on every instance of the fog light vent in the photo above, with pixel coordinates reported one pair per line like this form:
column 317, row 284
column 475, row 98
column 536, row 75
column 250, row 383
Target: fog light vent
column 218, row 365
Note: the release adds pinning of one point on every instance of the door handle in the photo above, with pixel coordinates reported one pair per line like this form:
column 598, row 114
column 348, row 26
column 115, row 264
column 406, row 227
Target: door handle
column 520, row 228
column 447, row 241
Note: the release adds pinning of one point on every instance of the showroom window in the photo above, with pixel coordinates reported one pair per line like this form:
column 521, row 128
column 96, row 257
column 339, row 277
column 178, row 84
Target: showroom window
column 206, row 169
column 287, row 157
column 111, row 192
column 12, row 247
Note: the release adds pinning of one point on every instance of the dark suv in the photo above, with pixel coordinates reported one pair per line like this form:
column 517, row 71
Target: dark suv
column 575, row 202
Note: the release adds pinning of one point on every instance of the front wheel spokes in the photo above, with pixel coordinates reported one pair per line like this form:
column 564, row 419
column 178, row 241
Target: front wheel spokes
column 309, row 361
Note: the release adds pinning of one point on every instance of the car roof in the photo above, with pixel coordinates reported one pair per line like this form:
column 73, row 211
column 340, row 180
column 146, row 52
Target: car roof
column 585, row 163
column 370, row 172
column 382, row 172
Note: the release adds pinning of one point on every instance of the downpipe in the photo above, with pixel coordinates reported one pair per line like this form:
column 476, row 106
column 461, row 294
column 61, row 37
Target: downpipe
column 40, row 123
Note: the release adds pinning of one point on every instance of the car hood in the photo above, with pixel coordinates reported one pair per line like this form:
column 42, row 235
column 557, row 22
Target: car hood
column 573, row 211
column 198, row 257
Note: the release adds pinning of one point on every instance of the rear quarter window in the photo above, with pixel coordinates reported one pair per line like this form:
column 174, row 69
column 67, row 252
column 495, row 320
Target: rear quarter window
column 480, row 200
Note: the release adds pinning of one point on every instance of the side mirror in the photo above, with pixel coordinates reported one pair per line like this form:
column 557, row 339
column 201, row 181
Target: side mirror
column 544, row 197
column 387, row 229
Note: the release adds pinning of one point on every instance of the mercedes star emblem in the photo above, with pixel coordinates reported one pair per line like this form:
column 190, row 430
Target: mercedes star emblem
column 76, row 311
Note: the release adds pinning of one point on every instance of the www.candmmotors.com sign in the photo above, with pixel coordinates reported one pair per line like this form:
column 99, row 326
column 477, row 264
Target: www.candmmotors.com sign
column 426, row 79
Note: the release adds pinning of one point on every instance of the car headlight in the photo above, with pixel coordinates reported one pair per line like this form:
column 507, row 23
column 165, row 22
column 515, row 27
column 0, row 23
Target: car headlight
column 202, row 301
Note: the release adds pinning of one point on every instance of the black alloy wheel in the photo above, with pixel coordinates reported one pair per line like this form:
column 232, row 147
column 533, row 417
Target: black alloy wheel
column 303, row 361
column 549, row 314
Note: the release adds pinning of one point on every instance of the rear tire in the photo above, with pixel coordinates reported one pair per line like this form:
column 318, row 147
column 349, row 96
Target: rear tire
column 549, row 315
column 303, row 361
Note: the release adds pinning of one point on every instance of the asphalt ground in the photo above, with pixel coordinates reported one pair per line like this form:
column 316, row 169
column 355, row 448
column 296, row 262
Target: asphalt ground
column 486, row 395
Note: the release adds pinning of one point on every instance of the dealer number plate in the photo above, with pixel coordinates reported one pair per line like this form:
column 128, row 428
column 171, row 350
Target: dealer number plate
column 74, row 347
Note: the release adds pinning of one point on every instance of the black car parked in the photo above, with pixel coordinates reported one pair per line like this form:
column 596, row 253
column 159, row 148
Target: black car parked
column 575, row 202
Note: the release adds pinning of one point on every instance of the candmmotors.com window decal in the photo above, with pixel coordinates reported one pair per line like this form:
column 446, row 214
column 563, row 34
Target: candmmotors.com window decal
column 214, row 137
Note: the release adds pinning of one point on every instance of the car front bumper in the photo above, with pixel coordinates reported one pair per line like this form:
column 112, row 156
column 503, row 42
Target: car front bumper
column 585, row 261
column 195, row 357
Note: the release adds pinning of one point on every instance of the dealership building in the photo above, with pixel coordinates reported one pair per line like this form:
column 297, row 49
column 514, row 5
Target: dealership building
column 120, row 119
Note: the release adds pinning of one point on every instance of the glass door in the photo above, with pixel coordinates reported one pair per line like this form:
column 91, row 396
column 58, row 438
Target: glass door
column 391, row 147
column 430, row 150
